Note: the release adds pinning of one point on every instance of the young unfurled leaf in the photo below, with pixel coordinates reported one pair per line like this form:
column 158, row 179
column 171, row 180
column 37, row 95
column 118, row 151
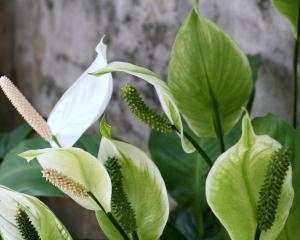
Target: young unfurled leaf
column 143, row 112
column 163, row 92
column 76, row 173
column 209, row 77
column 144, row 188
column 234, row 182
column 23, row 217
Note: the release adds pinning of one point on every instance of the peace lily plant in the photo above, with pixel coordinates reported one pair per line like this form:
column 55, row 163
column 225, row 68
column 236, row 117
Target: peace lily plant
column 231, row 177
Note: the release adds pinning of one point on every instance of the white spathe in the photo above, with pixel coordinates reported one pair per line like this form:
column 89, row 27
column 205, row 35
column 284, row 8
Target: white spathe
column 82, row 104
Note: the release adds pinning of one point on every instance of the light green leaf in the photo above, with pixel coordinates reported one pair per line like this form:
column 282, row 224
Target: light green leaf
column 165, row 97
column 209, row 76
column 284, row 133
column 26, row 177
column 290, row 10
column 44, row 221
column 79, row 166
column 144, row 186
column 234, row 182
column 105, row 128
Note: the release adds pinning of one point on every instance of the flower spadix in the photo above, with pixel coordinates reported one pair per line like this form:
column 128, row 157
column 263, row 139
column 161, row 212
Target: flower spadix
column 75, row 172
column 80, row 106
column 235, row 181
column 165, row 97
column 138, row 190
column 25, row 217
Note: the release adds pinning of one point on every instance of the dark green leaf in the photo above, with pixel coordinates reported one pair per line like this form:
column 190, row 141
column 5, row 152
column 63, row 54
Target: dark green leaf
column 21, row 176
column 255, row 63
column 89, row 143
column 10, row 139
column 171, row 232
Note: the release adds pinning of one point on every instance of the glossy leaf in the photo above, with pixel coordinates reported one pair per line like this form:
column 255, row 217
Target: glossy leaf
column 144, row 187
column 162, row 90
column 284, row 133
column 209, row 77
column 233, row 184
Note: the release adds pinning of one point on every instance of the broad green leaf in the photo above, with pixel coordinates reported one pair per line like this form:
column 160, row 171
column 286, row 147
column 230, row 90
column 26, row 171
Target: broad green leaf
column 209, row 77
column 10, row 139
column 255, row 63
column 144, row 187
column 162, row 90
column 290, row 10
column 25, row 177
column 44, row 221
column 284, row 133
column 81, row 168
column 233, row 184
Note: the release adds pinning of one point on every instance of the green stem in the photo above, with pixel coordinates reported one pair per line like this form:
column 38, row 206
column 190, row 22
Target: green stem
column 196, row 146
column 135, row 236
column 110, row 217
column 257, row 233
column 295, row 75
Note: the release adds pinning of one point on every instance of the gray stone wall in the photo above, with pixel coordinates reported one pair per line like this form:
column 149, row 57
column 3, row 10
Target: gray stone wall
column 51, row 42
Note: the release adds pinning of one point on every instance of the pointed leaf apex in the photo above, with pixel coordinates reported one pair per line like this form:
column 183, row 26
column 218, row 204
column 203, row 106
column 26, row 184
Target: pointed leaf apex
column 248, row 134
column 105, row 128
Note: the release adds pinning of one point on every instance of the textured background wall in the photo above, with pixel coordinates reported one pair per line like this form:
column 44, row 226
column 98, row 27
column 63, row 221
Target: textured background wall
column 48, row 43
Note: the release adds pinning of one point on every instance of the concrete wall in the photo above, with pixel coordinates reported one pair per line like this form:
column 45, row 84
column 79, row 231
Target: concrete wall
column 53, row 41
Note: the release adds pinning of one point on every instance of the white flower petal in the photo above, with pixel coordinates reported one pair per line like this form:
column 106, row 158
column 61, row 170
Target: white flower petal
column 82, row 104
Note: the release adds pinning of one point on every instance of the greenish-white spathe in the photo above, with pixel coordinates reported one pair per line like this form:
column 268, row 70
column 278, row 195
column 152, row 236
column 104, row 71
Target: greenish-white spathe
column 44, row 221
column 209, row 77
column 234, row 182
column 144, row 187
column 80, row 166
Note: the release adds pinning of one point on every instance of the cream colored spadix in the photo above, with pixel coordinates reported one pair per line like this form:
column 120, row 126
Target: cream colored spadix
column 83, row 103
column 234, row 182
column 46, row 224
column 76, row 173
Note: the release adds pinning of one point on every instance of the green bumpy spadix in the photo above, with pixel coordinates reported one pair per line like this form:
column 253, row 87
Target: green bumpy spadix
column 143, row 112
column 235, row 181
